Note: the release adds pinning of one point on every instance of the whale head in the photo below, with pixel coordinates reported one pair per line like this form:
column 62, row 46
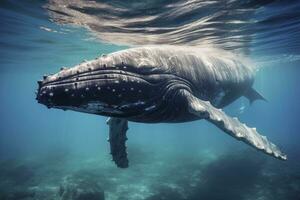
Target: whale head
column 112, row 85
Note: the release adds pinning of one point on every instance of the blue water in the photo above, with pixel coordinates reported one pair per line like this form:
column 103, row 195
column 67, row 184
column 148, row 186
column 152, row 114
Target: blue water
column 40, row 148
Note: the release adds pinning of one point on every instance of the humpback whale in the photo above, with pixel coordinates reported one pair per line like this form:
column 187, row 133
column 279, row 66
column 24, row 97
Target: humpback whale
column 157, row 84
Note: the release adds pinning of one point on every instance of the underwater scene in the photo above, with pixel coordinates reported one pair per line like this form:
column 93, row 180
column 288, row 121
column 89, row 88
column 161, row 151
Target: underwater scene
column 203, row 99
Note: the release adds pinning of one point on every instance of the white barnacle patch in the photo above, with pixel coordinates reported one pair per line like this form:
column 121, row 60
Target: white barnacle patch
column 51, row 94
column 87, row 89
column 150, row 108
column 139, row 102
column 268, row 150
column 239, row 134
column 128, row 105
column 97, row 106
column 113, row 90
column 98, row 88
column 218, row 119
column 66, row 90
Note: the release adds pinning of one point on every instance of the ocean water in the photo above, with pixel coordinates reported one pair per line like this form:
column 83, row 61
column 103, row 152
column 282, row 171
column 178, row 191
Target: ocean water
column 44, row 153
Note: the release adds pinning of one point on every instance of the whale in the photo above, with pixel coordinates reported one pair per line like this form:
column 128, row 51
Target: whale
column 158, row 84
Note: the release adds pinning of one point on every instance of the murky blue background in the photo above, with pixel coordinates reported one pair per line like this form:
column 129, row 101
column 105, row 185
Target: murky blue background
column 167, row 161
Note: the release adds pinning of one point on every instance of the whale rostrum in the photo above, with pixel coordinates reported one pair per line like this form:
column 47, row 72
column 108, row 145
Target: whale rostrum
column 157, row 84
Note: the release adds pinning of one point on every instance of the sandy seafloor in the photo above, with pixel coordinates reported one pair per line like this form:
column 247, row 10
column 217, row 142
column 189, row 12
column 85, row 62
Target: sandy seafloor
column 154, row 176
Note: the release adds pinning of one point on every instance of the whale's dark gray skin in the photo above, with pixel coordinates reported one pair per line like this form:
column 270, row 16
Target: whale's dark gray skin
column 157, row 84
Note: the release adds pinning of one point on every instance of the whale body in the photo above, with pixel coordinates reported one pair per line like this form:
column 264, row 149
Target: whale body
column 157, row 84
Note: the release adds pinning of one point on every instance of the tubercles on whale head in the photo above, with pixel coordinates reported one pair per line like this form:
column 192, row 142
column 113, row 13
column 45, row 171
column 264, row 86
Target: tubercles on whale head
column 97, row 86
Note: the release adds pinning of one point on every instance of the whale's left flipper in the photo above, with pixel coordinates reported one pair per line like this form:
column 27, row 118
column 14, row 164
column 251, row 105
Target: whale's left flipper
column 117, row 139
column 231, row 126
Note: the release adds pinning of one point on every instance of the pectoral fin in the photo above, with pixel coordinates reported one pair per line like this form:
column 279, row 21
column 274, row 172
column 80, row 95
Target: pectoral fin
column 232, row 126
column 117, row 139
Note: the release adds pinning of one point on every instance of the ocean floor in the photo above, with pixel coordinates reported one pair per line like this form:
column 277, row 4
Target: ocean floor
column 151, row 176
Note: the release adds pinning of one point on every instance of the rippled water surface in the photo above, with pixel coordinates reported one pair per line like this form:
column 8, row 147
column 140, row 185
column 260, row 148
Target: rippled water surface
column 42, row 151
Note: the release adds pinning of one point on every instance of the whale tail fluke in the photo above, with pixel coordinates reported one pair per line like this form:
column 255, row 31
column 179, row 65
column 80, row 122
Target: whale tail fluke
column 252, row 95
